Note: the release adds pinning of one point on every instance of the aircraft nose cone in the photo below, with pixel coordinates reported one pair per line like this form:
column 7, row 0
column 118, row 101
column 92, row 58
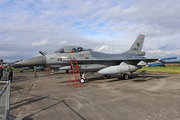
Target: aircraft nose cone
column 37, row 61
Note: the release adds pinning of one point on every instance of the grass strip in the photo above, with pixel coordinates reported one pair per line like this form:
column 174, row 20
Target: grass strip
column 157, row 69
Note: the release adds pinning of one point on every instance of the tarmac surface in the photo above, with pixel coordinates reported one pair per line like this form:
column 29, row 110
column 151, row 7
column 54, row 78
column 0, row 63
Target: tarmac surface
column 144, row 96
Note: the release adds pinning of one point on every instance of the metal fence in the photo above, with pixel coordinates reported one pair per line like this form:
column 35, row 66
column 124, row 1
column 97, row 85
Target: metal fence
column 5, row 75
column 4, row 99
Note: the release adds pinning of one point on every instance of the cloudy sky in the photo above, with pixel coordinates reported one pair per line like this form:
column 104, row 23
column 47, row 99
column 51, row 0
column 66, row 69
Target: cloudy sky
column 110, row 26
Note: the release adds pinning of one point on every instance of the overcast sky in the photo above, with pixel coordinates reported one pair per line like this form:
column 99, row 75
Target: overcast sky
column 110, row 26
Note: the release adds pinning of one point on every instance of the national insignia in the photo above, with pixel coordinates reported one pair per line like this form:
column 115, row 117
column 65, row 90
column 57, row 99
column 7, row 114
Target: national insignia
column 138, row 44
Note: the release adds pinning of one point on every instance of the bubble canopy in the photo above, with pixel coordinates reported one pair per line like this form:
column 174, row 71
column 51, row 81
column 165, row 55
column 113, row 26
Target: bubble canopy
column 71, row 49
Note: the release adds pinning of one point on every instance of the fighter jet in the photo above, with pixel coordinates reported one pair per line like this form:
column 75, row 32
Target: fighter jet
column 32, row 68
column 92, row 61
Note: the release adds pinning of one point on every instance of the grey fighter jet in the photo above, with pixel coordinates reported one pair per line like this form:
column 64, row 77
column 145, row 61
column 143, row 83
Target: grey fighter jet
column 91, row 61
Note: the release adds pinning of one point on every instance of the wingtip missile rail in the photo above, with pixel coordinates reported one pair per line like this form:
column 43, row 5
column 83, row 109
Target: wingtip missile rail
column 160, row 62
column 168, row 58
column 155, row 64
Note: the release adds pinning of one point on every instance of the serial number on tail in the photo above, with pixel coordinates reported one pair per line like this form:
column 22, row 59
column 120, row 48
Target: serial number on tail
column 135, row 49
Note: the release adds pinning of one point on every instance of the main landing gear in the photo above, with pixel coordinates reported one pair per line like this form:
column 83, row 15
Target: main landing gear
column 107, row 76
column 125, row 76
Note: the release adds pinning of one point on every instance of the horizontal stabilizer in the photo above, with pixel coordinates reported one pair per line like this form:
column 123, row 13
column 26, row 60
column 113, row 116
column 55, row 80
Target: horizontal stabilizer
column 168, row 58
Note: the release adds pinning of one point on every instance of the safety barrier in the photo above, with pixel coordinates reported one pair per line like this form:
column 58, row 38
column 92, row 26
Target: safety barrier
column 5, row 75
column 4, row 99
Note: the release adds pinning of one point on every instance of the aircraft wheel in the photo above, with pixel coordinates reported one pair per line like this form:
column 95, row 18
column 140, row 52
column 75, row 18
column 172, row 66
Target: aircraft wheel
column 125, row 76
column 82, row 80
column 67, row 71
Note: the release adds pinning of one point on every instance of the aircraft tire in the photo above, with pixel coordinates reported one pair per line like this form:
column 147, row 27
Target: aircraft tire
column 67, row 71
column 82, row 80
column 125, row 76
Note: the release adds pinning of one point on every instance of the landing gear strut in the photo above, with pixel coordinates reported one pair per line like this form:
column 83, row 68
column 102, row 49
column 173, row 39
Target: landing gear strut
column 83, row 79
column 107, row 76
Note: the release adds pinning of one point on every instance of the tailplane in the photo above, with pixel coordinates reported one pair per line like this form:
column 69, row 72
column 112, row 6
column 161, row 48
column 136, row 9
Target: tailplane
column 137, row 46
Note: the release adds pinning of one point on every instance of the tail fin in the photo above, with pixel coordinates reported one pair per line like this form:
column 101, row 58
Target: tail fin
column 137, row 46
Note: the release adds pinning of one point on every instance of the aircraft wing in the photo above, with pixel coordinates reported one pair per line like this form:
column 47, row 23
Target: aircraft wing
column 133, row 61
column 115, row 60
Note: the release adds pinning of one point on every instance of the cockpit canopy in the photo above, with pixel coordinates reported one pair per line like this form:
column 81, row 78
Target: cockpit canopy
column 71, row 49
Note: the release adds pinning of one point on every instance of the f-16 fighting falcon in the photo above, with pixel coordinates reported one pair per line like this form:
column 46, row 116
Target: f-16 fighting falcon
column 92, row 61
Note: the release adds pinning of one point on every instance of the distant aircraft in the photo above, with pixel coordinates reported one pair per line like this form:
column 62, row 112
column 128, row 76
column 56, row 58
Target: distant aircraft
column 106, row 64
column 12, row 64
column 32, row 68
column 52, row 67
column 1, row 61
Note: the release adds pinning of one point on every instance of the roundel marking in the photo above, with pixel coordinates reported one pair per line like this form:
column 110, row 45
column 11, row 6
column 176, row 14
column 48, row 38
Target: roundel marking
column 138, row 44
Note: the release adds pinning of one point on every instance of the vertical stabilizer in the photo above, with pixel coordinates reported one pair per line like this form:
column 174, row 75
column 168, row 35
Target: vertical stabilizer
column 137, row 46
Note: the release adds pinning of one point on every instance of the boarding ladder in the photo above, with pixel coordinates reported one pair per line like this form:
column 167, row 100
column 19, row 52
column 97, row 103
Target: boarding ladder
column 74, row 68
